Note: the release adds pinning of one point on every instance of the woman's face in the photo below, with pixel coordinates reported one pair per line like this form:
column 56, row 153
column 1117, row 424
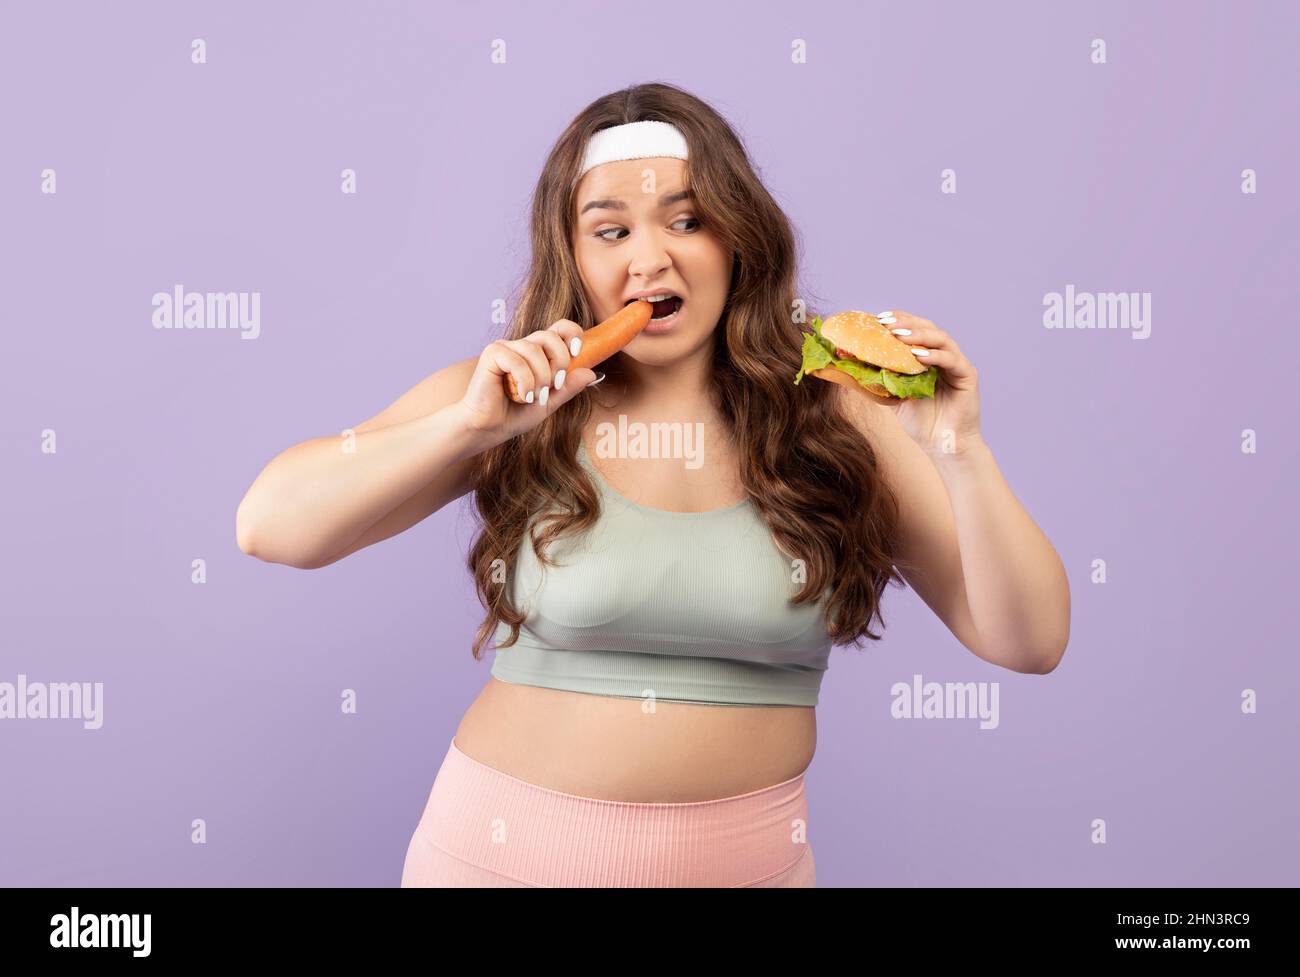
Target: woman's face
column 634, row 233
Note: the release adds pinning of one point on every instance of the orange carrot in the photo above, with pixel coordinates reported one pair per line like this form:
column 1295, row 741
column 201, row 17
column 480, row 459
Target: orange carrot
column 602, row 341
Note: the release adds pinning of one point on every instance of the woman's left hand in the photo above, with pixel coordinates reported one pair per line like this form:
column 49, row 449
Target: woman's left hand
column 948, row 422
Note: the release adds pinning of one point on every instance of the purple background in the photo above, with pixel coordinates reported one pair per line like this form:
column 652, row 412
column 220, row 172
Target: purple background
column 222, row 700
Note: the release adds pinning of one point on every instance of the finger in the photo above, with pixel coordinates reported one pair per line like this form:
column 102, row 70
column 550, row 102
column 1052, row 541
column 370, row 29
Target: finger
column 954, row 365
column 504, row 361
column 572, row 334
column 900, row 315
column 575, row 382
column 557, row 353
column 537, row 363
column 570, row 330
column 922, row 332
column 896, row 318
column 901, row 324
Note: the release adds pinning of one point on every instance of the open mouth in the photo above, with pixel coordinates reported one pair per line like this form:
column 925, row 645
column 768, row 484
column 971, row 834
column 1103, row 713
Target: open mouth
column 665, row 306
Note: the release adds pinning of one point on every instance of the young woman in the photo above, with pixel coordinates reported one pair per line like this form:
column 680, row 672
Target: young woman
column 663, row 624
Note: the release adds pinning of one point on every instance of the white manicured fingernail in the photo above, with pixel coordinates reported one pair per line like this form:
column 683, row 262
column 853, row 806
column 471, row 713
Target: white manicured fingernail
column 888, row 320
column 529, row 399
column 901, row 332
column 599, row 377
column 920, row 351
column 559, row 380
column 546, row 393
column 881, row 315
column 575, row 344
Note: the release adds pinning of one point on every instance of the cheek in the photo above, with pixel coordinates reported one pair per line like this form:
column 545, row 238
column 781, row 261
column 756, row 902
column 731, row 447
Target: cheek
column 594, row 268
column 709, row 270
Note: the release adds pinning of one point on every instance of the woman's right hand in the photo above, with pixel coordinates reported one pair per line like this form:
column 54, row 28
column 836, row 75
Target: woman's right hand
column 535, row 362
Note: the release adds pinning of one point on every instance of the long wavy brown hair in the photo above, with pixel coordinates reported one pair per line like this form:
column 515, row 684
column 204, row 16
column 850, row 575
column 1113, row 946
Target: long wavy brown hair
column 805, row 467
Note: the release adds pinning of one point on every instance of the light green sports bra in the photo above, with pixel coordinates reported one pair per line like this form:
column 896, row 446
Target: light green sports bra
column 678, row 606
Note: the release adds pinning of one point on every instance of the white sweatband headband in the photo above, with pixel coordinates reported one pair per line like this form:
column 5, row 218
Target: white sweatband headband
column 634, row 140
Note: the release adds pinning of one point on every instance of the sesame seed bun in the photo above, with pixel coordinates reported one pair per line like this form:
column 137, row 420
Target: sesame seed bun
column 870, row 341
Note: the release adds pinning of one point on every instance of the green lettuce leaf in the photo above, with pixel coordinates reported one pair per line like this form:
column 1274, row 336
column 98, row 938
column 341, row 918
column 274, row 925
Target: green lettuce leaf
column 819, row 352
column 905, row 385
column 815, row 356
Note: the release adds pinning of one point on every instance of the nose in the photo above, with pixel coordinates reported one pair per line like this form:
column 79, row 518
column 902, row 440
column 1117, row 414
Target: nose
column 649, row 257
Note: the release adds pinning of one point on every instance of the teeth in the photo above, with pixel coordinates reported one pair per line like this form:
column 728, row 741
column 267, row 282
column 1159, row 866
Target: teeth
column 656, row 298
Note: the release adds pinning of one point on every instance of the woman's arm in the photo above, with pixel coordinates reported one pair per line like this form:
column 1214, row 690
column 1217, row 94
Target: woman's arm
column 325, row 498
column 328, row 497
column 983, row 565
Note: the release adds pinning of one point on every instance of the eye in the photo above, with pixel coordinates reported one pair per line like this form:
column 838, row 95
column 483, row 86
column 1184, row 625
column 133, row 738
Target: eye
column 610, row 230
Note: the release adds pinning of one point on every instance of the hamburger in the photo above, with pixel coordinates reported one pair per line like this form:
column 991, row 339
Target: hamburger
column 858, row 350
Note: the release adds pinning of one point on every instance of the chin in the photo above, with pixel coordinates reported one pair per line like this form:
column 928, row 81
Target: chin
column 665, row 348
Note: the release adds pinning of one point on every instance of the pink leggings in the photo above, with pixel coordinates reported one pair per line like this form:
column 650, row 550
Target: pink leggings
column 483, row 828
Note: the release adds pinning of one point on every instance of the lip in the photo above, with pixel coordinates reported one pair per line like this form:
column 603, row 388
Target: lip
column 654, row 291
column 668, row 325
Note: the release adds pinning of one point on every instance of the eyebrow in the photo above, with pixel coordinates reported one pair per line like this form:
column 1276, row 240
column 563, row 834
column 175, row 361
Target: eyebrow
column 613, row 203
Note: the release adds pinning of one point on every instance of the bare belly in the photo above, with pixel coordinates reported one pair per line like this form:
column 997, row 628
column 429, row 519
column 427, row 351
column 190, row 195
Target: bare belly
column 615, row 749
